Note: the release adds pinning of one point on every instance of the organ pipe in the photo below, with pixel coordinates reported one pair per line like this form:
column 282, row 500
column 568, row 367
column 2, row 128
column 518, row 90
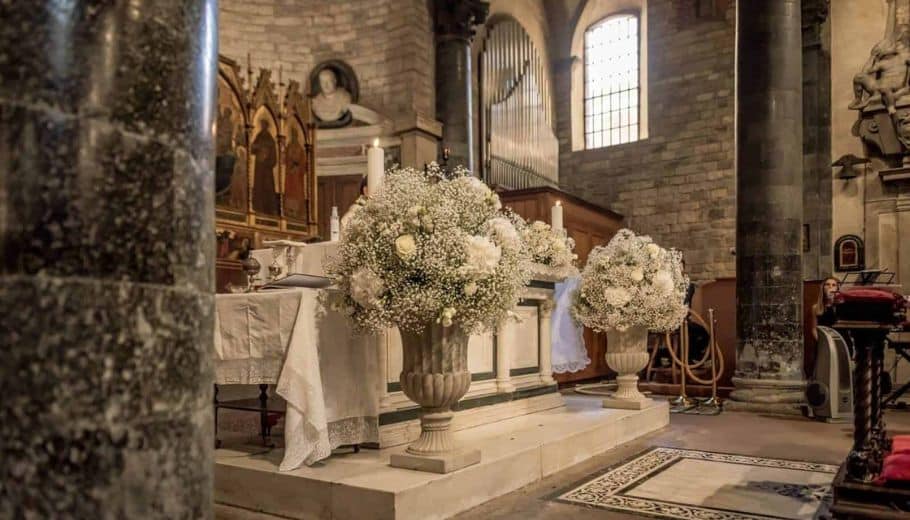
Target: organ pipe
column 519, row 146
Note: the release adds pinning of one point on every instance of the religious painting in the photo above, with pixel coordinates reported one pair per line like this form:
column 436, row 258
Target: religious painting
column 849, row 254
column 296, row 172
column 264, row 150
column 230, row 149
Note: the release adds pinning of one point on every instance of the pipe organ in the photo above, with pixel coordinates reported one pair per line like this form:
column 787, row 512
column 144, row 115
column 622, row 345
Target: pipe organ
column 520, row 149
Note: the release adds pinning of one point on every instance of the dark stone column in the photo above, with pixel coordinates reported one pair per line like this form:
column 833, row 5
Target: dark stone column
column 106, row 241
column 455, row 21
column 817, row 185
column 769, row 368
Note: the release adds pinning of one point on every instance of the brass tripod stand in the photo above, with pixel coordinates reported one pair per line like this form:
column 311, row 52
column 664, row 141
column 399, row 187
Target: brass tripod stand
column 683, row 403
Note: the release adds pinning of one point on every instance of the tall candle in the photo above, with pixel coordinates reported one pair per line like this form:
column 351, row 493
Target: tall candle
column 375, row 162
column 556, row 216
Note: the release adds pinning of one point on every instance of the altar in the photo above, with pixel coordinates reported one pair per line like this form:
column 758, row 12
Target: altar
column 269, row 336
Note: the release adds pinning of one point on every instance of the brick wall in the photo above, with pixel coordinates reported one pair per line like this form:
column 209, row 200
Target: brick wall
column 679, row 184
column 389, row 43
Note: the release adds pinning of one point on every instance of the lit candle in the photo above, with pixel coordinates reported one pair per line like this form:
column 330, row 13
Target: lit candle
column 375, row 162
column 556, row 216
column 334, row 225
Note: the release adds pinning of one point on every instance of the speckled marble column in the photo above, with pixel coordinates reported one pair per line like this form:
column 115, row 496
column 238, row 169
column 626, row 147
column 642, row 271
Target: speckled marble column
column 769, row 198
column 106, row 241
column 455, row 21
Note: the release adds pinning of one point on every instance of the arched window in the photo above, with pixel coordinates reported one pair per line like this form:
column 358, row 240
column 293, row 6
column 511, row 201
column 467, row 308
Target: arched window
column 611, row 81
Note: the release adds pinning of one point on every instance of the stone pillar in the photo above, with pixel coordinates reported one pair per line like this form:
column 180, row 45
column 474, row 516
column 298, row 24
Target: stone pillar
column 817, row 185
column 505, row 338
column 455, row 21
column 107, row 246
column 546, row 342
column 769, row 365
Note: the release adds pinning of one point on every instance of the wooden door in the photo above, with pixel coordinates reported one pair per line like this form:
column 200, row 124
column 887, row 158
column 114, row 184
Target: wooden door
column 335, row 190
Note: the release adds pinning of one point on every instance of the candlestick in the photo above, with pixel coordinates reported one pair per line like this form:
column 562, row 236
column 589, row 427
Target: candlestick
column 375, row 162
column 556, row 217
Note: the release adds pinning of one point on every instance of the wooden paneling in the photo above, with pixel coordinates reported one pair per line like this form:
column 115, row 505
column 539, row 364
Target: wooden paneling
column 335, row 190
column 590, row 226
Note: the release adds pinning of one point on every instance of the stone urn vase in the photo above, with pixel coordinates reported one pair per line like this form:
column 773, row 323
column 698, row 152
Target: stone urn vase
column 435, row 375
column 627, row 355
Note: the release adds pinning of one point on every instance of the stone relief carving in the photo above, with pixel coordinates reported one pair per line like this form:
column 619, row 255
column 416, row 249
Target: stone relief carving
column 882, row 93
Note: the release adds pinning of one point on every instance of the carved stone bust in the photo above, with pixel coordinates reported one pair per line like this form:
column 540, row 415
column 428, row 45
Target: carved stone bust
column 332, row 101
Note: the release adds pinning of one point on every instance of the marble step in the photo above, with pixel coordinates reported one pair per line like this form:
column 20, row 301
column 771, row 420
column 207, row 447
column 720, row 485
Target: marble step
column 514, row 453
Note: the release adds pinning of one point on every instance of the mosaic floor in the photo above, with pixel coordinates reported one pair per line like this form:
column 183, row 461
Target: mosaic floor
column 691, row 484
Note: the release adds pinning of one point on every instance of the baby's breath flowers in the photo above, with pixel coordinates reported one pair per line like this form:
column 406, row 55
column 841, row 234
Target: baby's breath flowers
column 631, row 282
column 551, row 248
column 430, row 249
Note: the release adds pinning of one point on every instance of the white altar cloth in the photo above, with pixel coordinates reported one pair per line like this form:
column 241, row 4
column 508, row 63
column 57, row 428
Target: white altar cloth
column 328, row 376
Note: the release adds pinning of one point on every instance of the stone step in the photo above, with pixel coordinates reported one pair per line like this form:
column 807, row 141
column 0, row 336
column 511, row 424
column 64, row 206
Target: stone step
column 514, row 453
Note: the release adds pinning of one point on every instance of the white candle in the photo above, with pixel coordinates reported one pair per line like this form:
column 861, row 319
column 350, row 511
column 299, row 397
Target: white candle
column 375, row 163
column 556, row 216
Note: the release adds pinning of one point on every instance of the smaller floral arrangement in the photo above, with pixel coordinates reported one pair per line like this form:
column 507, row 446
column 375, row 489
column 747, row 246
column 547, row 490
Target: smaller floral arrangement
column 551, row 248
column 631, row 282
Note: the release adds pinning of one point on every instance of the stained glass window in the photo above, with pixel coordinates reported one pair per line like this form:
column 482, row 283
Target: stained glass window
column 611, row 81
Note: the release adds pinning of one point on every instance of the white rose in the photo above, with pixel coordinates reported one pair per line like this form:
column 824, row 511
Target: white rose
column 470, row 289
column 663, row 282
column 637, row 275
column 617, row 296
column 366, row 287
column 483, row 256
column 405, row 246
column 504, row 231
column 653, row 250
column 538, row 225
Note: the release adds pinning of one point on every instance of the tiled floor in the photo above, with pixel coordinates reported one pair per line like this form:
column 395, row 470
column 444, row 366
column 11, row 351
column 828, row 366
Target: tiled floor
column 741, row 433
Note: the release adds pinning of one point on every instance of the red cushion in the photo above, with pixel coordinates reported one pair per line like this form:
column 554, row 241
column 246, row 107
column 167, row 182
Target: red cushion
column 900, row 444
column 868, row 296
column 896, row 468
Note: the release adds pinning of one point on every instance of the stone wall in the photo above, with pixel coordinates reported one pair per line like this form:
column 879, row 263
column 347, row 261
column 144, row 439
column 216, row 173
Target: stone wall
column 678, row 185
column 389, row 43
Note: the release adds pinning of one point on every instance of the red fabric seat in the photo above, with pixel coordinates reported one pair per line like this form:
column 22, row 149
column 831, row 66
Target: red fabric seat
column 900, row 444
column 895, row 469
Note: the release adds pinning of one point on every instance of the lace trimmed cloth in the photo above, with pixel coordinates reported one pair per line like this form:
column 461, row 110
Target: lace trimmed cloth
column 569, row 352
column 329, row 377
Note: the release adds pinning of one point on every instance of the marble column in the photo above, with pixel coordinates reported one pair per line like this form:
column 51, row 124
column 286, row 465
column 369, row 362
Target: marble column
column 546, row 341
column 455, row 21
column 505, row 338
column 107, row 245
column 769, row 157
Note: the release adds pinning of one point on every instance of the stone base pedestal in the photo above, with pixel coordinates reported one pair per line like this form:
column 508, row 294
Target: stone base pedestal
column 776, row 396
column 444, row 463
column 628, row 404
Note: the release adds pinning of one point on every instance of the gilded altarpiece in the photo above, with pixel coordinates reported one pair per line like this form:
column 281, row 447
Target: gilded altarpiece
column 265, row 176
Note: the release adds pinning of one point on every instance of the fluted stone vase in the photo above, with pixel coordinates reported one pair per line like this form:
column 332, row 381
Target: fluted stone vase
column 435, row 375
column 627, row 355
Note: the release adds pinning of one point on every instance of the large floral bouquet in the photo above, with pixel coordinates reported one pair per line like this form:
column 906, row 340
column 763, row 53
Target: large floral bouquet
column 550, row 248
column 631, row 282
column 428, row 248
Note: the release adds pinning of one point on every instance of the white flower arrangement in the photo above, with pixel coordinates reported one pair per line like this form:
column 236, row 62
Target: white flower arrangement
column 429, row 249
column 551, row 248
column 631, row 282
